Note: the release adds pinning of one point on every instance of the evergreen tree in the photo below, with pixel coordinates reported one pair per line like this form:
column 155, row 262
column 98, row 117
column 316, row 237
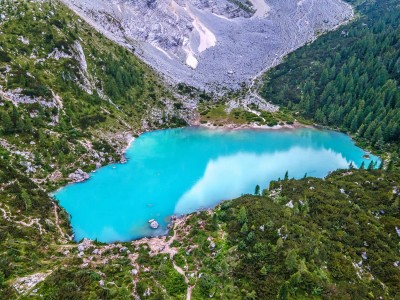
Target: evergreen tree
column 6, row 123
column 371, row 165
column 286, row 176
column 27, row 200
column 264, row 271
column 242, row 215
column 244, row 228
column 257, row 190
column 390, row 166
column 284, row 291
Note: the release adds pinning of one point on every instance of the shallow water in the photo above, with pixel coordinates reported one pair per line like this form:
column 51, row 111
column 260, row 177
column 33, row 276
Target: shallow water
column 179, row 171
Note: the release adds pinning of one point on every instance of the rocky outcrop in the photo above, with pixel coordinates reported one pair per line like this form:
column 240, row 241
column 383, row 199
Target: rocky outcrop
column 153, row 224
column 207, row 43
column 78, row 176
column 25, row 284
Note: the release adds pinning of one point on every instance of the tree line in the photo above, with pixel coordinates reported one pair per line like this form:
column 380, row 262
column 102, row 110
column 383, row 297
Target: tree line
column 349, row 78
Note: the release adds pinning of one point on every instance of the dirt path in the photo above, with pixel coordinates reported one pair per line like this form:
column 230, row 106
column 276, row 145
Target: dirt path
column 189, row 287
column 64, row 235
column 163, row 246
column 9, row 217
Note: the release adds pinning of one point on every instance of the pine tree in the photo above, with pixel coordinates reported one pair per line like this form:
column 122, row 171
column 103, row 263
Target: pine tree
column 284, row 291
column 371, row 165
column 390, row 166
column 264, row 271
column 291, row 260
column 242, row 215
column 27, row 200
column 257, row 190
column 6, row 123
column 244, row 228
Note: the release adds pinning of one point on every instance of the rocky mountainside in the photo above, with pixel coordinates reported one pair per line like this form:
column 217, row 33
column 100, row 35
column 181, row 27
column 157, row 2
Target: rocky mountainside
column 69, row 98
column 68, row 92
column 210, row 43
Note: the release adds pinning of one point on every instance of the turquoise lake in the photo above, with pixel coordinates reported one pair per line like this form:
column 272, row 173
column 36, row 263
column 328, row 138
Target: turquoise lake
column 179, row 171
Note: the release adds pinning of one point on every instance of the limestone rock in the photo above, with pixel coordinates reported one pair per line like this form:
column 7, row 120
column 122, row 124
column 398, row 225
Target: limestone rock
column 202, row 42
column 134, row 272
column 153, row 224
column 78, row 176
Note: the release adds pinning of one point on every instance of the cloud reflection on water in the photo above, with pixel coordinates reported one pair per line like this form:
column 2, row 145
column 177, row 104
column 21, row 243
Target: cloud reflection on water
column 230, row 176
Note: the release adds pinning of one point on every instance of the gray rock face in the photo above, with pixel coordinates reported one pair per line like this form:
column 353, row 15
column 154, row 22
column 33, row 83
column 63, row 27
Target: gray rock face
column 207, row 43
column 78, row 176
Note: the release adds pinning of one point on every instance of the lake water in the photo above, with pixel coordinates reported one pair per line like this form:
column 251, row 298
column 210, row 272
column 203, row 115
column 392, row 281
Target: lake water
column 179, row 171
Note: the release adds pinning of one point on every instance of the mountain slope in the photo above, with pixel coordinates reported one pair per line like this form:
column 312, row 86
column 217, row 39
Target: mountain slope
column 206, row 43
column 68, row 92
column 69, row 99
column 352, row 86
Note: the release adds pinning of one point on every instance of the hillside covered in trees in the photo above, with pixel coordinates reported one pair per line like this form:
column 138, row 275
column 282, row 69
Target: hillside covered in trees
column 349, row 78
column 333, row 238
column 67, row 92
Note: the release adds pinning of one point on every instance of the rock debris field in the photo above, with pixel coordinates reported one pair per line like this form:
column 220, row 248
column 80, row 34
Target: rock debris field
column 212, row 43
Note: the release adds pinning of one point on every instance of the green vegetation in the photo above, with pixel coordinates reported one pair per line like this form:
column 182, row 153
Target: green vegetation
column 69, row 98
column 245, row 5
column 218, row 115
column 337, row 240
column 332, row 238
column 348, row 78
column 67, row 94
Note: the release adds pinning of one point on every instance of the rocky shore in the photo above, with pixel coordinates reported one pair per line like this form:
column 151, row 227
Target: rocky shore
column 233, row 126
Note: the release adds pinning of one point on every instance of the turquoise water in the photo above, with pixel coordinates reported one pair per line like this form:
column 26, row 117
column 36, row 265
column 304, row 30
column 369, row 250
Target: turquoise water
column 179, row 171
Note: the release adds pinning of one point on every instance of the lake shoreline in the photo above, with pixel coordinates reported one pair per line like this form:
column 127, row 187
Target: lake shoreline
column 129, row 139
column 233, row 126
column 233, row 150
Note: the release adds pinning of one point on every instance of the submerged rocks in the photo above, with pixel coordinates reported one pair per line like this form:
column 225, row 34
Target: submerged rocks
column 78, row 176
column 153, row 224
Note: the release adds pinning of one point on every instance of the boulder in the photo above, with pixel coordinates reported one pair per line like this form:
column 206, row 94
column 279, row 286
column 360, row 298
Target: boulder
column 134, row 272
column 154, row 224
column 78, row 176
